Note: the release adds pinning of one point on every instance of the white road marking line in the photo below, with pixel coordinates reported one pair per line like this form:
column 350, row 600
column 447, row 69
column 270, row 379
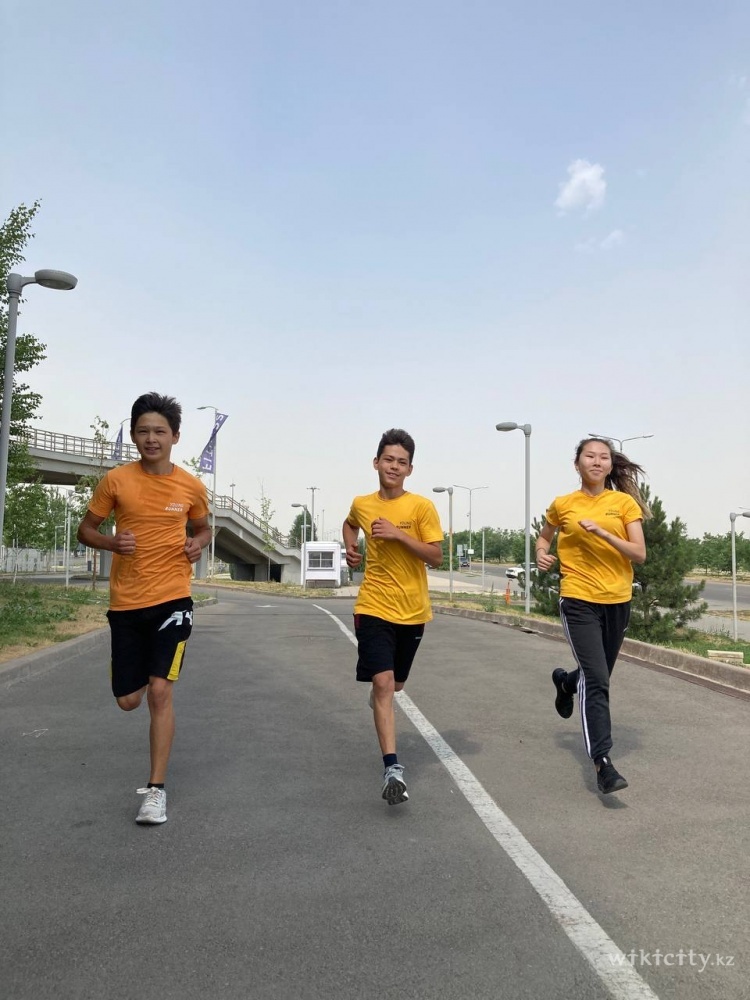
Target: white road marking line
column 600, row 951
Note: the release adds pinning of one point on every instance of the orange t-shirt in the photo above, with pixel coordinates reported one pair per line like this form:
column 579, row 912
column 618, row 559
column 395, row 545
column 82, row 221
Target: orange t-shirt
column 156, row 509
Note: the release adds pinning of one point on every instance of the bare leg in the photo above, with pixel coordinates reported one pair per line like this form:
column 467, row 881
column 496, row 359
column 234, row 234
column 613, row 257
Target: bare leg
column 162, row 728
column 385, row 722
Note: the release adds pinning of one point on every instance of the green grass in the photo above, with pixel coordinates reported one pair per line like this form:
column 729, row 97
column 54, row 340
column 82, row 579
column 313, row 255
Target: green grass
column 31, row 613
column 696, row 642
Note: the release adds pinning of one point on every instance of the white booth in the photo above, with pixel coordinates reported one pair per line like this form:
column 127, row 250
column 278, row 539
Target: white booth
column 321, row 564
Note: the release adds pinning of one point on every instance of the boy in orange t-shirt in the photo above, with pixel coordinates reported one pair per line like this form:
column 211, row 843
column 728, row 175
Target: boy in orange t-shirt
column 151, row 611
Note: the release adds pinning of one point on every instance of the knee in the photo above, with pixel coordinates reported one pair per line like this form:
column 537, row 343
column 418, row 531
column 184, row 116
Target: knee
column 383, row 683
column 159, row 694
column 129, row 702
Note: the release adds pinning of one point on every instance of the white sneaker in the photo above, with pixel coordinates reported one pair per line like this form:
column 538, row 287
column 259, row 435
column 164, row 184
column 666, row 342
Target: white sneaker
column 154, row 806
column 394, row 786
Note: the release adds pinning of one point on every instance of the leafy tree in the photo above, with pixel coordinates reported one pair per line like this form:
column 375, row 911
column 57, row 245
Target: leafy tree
column 716, row 553
column 269, row 533
column 664, row 602
column 295, row 532
column 15, row 233
column 194, row 465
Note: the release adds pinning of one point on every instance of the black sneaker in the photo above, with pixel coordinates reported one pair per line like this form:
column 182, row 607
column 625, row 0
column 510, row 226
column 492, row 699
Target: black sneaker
column 608, row 778
column 564, row 699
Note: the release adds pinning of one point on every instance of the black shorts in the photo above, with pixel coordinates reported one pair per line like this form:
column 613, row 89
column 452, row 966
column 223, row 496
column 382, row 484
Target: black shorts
column 149, row 642
column 384, row 646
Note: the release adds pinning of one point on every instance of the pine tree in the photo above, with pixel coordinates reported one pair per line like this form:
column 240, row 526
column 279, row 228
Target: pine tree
column 663, row 602
column 545, row 587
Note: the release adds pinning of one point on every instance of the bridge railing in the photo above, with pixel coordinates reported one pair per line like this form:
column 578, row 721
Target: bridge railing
column 69, row 444
column 227, row 503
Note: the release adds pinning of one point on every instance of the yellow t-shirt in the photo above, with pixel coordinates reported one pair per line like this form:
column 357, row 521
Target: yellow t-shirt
column 590, row 568
column 156, row 509
column 395, row 583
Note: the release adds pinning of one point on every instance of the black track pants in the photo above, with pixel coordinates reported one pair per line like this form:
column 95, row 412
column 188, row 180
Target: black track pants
column 595, row 633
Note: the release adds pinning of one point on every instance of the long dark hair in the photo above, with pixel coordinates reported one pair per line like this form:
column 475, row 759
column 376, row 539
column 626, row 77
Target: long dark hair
column 624, row 474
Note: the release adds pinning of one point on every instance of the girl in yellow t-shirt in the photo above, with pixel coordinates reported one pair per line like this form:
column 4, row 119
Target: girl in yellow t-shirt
column 600, row 536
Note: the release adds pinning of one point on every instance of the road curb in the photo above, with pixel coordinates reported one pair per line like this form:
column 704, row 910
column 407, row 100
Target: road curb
column 722, row 675
column 62, row 652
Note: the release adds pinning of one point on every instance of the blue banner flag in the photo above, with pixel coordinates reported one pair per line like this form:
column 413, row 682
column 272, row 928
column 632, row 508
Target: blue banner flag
column 206, row 463
column 117, row 450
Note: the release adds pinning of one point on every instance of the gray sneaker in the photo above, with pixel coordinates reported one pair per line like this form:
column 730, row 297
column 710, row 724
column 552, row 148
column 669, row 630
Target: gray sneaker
column 154, row 806
column 394, row 786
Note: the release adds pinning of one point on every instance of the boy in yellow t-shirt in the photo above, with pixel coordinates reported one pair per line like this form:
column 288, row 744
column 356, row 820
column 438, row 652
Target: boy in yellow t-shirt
column 151, row 611
column 403, row 533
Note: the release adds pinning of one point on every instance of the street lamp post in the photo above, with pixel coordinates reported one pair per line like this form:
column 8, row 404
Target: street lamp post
column 213, row 505
column 732, row 518
column 304, row 540
column 449, row 491
column 470, row 490
column 312, row 490
column 68, row 498
column 58, row 527
column 15, row 283
column 526, row 428
column 620, row 441
column 231, row 487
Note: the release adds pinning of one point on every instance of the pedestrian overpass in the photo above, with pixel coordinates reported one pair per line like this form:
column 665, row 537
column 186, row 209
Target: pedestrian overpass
column 256, row 553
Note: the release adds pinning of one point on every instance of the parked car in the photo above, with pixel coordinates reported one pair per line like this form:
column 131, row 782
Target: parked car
column 513, row 572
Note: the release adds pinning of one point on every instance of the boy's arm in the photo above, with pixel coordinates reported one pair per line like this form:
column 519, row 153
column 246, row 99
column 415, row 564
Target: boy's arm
column 429, row 552
column 201, row 537
column 350, row 534
column 88, row 534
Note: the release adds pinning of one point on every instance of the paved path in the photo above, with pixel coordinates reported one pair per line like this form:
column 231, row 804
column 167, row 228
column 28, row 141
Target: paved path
column 282, row 874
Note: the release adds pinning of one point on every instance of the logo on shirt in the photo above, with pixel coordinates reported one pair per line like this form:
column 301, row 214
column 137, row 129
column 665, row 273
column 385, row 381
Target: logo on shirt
column 176, row 507
column 404, row 525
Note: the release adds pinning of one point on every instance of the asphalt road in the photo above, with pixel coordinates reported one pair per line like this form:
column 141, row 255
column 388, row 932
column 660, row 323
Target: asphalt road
column 281, row 872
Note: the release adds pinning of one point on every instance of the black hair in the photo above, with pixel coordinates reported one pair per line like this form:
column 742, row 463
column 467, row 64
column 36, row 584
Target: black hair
column 397, row 436
column 152, row 402
column 624, row 474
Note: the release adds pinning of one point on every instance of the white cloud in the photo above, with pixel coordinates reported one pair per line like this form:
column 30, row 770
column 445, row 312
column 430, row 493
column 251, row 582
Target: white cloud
column 614, row 239
column 585, row 188
column 593, row 243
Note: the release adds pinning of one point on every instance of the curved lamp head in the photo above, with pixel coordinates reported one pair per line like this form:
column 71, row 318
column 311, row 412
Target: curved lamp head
column 510, row 425
column 55, row 279
column 443, row 489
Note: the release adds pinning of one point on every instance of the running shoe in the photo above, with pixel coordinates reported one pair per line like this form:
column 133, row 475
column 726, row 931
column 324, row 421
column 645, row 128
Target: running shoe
column 154, row 806
column 608, row 777
column 394, row 786
column 563, row 699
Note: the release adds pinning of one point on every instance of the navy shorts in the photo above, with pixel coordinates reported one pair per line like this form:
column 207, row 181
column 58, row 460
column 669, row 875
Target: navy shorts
column 382, row 646
column 149, row 642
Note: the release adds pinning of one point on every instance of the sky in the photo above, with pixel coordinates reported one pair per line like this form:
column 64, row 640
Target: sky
column 330, row 218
